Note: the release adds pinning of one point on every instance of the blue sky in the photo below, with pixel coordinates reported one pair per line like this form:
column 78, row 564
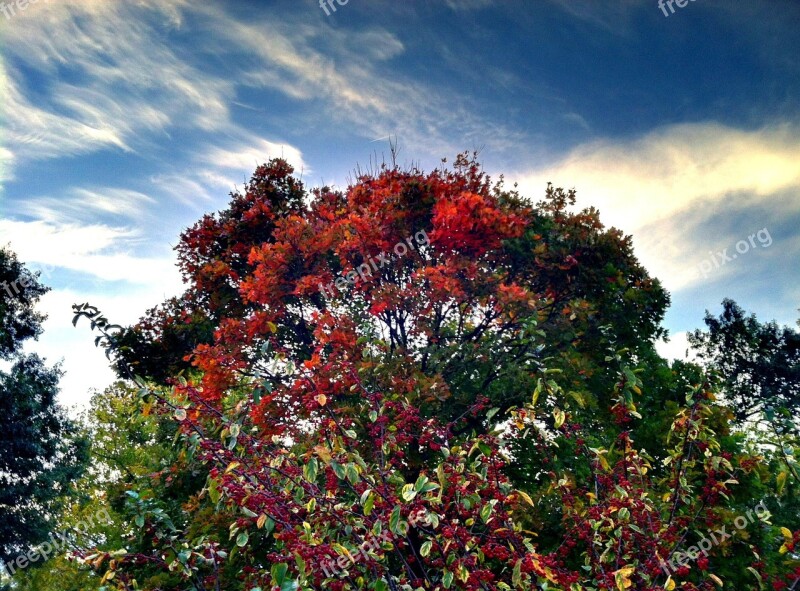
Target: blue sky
column 123, row 122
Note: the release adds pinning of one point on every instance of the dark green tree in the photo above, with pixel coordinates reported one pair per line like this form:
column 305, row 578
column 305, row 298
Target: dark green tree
column 758, row 363
column 41, row 450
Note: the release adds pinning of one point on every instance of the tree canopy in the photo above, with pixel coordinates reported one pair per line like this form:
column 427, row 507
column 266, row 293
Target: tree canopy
column 425, row 381
column 759, row 364
column 41, row 450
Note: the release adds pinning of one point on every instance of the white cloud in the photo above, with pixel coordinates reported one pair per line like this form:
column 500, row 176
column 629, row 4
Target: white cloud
column 251, row 153
column 129, row 84
column 676, row 348
column 651, row 178
column 6, row 165
column 460, row 5
column 35, row 132
column 95, row 250
column 80, row 204
column 348, row 73
column 122, row 285
column 129, row 81
column 663, row 185
column 85, row 365
column 615, row 17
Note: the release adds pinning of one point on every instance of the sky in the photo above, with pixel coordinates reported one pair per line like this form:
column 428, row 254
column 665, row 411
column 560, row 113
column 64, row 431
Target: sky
column 122, row 122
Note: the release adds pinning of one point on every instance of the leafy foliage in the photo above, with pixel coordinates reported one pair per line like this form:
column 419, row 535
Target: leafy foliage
column 426, row 382
column 41, row 450
column 758, row 363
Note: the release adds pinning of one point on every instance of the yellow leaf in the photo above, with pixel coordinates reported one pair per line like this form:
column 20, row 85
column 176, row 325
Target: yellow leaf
column 323, row 453
column 717, row 580
column 231, row 466
column 670, row 584
column 262, row 519
column 525, row 497
column 623, row 577
column 322, row 399
column 787, row 533
column 780, row 481
column 343, row 552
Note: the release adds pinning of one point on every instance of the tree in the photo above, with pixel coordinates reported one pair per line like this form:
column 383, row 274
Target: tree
column 759, row 364
column 41, row 450
column 427, row 382
column 131, row 449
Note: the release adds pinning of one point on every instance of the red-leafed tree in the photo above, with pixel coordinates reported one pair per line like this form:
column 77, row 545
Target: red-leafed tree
column 427, row 382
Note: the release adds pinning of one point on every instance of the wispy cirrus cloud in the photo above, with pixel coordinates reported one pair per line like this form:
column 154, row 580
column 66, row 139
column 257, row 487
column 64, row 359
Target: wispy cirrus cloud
column 82, row 205
column 468, row 4
column 611, row 17
column 114, row 78
column 347, row 78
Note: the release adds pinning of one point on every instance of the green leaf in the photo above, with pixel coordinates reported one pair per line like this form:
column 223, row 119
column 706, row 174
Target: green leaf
column 754, row 572
column 310, row 470
column 241, row 539
column 447, row 579
column 368, row 500
column 248, row 512
column 301, row 564
column 278, row 572
column 516, row 575
column 486, row 512
column 394, row 520
column 352, row 473
column 425, row 549
column 338, row 469
column 408, row 493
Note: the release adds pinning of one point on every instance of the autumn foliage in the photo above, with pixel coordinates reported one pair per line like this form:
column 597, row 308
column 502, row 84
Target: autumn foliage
column 498, row 378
